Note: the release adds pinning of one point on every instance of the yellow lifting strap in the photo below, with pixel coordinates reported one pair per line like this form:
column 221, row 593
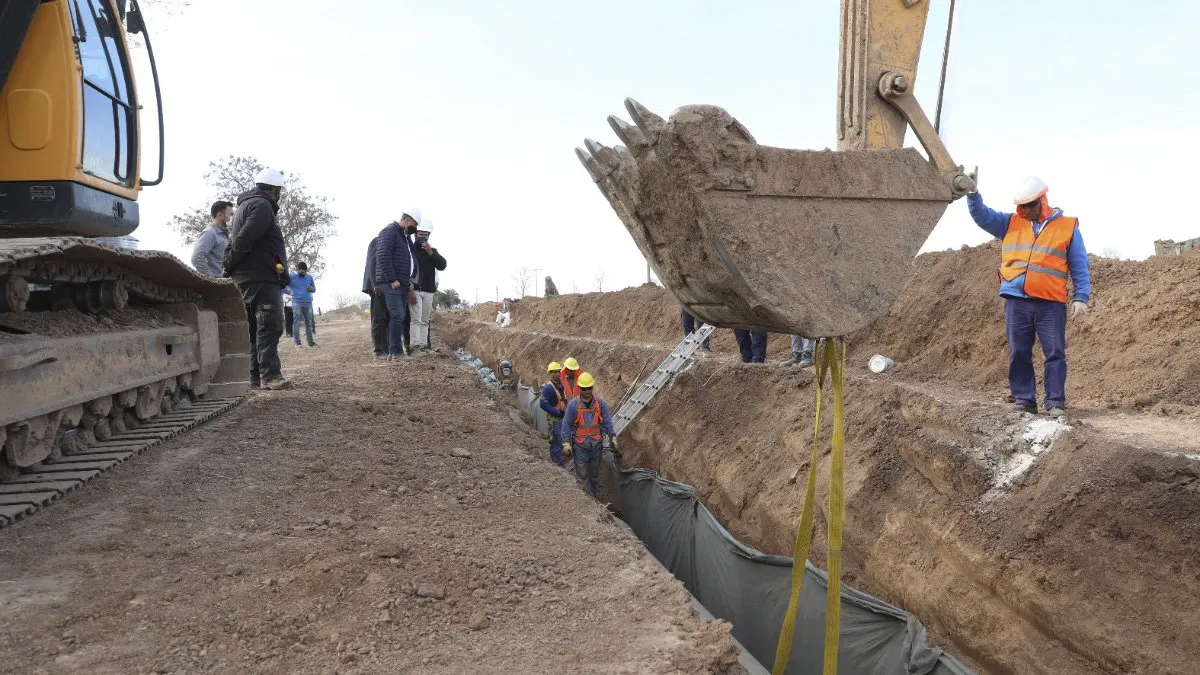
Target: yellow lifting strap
column 832, row 359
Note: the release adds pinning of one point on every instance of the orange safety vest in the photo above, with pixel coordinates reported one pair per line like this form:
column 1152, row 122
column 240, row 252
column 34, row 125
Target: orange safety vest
column 1042, row 259
column 585, row 431
column 569, row 388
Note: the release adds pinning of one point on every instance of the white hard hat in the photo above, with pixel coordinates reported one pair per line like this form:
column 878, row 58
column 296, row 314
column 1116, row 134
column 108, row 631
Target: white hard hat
column 413, row 213
column 269, row 177
column 1031, row 189
column 425, row 225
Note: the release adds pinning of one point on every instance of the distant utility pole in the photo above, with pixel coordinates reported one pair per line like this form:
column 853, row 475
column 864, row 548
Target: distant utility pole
column 536, row 270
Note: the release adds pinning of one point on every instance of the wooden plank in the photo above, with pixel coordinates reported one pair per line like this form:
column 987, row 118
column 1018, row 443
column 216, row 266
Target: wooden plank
column 34, row 498
column 81, row 475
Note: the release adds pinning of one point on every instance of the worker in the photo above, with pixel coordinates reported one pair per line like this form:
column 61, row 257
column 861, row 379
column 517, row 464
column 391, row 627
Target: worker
column 209, row 250
column 1041, row 249
column 429, row 263
column 379, row 310
column 569, row 377
column 256, row 260
column 394, row 271
column 689, row 327
column 553, row 403
column 586, row 423
column 752, row 344
column 301, row 287
column 289, row 316
column 802, row 352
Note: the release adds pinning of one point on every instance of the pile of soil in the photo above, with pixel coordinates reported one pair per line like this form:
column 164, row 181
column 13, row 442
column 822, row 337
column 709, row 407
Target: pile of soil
column 378, row 518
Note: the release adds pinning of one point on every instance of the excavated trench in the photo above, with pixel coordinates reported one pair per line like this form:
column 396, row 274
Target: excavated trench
column 1022, row 546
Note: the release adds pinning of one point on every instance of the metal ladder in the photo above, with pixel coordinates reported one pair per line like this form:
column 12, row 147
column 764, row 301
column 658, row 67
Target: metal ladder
column 660, row 378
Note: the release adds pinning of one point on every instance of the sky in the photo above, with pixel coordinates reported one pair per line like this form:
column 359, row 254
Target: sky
column 471, row 111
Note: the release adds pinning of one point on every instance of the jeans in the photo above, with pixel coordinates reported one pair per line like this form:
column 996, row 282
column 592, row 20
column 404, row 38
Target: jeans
column 587, row 463
column 689, row 327
column 289, row 318
column 1047, row 321
column 802, row 344
column 264, row 313
column 303, row 314
column 752, row 344
column 379, row 323
column 422, row 311
column 556, row 446
column 397, row 305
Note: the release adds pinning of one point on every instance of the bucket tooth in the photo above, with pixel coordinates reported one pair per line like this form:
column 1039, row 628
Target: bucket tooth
column 630, row 135
column 590, row 164
column 650, row 124
column 744, row 235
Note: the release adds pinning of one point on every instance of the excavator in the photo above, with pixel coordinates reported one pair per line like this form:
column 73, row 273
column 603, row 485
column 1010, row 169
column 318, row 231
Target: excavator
column 808, row 242
column 95, row 337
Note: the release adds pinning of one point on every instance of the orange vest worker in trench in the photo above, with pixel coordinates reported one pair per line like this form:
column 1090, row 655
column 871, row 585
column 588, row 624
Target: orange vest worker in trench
column 1041, row 250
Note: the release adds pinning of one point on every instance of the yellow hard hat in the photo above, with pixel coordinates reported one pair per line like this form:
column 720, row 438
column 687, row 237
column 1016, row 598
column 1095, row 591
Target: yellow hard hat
column 572, row 364
column 586, row 381
column 554, row 365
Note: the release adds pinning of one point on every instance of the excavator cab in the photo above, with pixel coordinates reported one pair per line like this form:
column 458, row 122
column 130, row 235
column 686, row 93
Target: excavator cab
column 70, row 138
column 814, row 243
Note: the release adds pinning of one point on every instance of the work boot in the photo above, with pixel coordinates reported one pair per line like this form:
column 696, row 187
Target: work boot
column 1025, row 407
column 313, row 344
column 277, row 383
column 255, row 384
column 793, row 361
column 299, row 346
column 1056, row 413
column 806, row 359
column 381, row 356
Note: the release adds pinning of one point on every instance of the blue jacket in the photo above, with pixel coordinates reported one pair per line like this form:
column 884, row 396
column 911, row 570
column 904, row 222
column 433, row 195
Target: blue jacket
column 298, row 288
column 550, row 398
column 369, row 268
column 393, row 257
column 572, row 411
column 995, row 223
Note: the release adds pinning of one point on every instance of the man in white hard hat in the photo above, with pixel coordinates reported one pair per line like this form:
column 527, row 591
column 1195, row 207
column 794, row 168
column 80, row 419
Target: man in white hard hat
column 429, row 263
column 394, row 270
column 1041, row 250
column 257, row 262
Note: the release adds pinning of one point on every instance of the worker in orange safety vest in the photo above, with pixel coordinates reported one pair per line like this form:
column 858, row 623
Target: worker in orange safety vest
column 586, row 424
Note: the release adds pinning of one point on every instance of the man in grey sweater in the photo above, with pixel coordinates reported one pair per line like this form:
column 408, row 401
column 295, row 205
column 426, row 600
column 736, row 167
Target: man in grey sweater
column 209, row 250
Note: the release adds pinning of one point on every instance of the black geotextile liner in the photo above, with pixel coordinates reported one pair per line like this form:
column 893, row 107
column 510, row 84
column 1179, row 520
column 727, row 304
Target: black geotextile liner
column 750, row 589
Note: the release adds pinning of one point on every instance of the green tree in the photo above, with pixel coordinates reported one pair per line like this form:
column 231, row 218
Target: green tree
column 304, row 217
column 447, row 298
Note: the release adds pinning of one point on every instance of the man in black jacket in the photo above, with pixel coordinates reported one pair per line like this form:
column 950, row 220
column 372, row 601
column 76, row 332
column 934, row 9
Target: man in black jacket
column 257, row 262
column 429, row 263
column 379, row 310
column 394, row 274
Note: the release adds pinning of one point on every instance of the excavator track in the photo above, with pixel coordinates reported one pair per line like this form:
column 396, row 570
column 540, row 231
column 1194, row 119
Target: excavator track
column 104, row 353
column 52, row 480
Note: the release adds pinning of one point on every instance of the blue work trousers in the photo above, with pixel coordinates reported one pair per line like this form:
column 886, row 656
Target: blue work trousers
column 1047, row 321
column 752, row 344
column 689, row 327
column 397, row 306
column 302, row 312
column 556, row 446
column 586, row 455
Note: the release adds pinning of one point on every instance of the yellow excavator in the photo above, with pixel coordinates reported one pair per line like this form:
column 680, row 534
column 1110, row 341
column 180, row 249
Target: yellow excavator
column 95, row 336
column 813, row 243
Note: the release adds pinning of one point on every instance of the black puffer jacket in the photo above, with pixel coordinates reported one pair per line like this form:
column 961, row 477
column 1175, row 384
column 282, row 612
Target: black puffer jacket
column 255, row 240
column 428, row 265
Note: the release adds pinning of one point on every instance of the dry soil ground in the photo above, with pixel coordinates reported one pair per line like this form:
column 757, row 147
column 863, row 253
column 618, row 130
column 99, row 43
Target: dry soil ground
column 331, row 529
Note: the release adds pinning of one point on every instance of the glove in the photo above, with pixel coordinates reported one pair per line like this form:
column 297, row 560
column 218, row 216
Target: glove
column 1078, row 309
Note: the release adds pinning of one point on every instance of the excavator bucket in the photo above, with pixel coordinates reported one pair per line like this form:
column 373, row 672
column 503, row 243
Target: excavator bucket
column 815, row 243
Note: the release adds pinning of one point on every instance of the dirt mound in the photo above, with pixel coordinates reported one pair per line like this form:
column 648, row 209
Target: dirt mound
column 1138, row 348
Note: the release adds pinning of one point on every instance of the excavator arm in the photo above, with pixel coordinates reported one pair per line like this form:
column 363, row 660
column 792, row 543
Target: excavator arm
column 795, row 241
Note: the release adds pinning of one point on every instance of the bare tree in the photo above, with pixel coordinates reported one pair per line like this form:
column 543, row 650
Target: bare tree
column 341, row 300
column 521, row 280
column 1111, row 252
column 600, row 280
column 304, row 217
